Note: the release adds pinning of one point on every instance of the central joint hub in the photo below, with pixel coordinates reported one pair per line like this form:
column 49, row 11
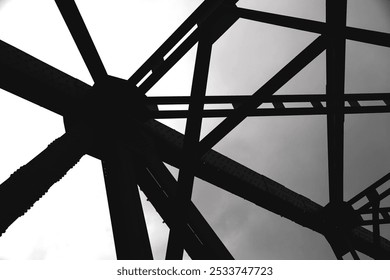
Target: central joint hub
column 113, row 111
column 116, row 102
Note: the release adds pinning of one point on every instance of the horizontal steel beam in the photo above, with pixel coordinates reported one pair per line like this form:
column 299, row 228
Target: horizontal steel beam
column 304, row 111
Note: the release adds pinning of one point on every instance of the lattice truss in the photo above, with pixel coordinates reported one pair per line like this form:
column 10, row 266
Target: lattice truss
column 115, row 121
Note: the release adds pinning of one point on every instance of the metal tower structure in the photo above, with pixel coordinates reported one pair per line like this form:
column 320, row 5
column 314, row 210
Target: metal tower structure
column 116, row 122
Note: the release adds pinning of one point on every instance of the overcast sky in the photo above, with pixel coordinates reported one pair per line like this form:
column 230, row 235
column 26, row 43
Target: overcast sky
column 290, row 150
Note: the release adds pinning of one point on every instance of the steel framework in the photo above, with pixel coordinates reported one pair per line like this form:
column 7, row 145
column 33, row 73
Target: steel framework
column 121, row 128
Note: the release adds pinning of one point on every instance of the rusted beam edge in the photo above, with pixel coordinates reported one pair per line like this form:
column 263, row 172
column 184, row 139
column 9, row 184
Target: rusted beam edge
column 263, row 112
column 31, row 181
column 229, row 99
column 258, row 189
column 199, row 15
column 350, row 33
column 33, row 80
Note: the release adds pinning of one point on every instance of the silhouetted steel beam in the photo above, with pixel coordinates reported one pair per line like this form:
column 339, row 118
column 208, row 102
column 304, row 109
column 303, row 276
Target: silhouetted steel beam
column 31, row 181
column 81, row 37
column 230, row 99
column 191, row 140
column 268, row 89
column 127, row 218
column 166, row 185
column 304, row 111
column 161, row 203
column 258, row 189
column 198, row 16
column 350, row 33
column 281, row 20
column 35, row 81
column 158, row 65
column 336, row 17
column 368, row 36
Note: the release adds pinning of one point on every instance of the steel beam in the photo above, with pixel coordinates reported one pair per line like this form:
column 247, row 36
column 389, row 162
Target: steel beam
column 31, row 79
column 127, row 217
column 336, row 16
column 81, row 37
column 199, row 239
column 31, row 181
column 281, row 20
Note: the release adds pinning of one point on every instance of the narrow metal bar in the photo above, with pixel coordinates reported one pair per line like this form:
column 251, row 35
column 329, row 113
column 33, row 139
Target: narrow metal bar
column 367, row 36
column 127, row 217
column 281, row 20
column 336, row 13
column 382, row 210
column 276, row 82
column 82, row 38
column 164, row 67
column 229, row 99
column 223, row 113
column 191, row 140
column 378, row 221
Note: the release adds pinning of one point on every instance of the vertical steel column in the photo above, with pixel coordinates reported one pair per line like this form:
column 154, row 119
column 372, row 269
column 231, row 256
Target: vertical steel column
column 127, row 217
column 336, row 11
column 190, row 159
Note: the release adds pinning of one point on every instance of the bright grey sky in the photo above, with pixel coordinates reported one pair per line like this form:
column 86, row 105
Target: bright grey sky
column 292, row 151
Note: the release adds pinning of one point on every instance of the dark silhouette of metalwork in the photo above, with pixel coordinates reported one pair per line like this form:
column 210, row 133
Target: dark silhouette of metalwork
column 115, row 122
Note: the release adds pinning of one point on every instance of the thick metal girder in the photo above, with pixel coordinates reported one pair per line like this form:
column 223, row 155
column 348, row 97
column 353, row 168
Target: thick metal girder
column 127, row 217
column 336, row 17
column 258, row 189
column 35, row 81
column 81, row 37
column 191, row 140
column 31, row 181
column 268, row 89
